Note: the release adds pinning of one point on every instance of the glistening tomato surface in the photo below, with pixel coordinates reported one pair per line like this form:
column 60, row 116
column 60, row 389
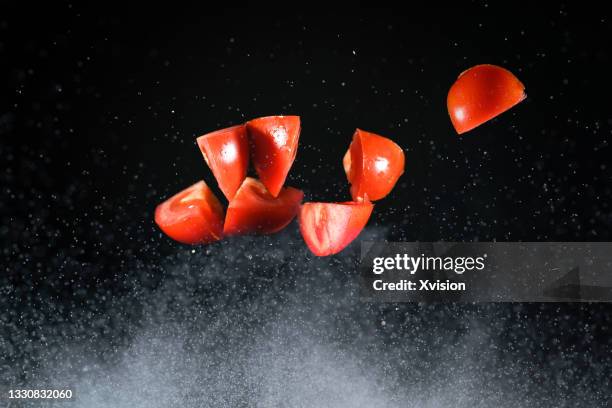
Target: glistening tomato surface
column 193, row 216
column 373, row 164
column 480, row 94
column 254, row 210
column 327, row 228
column 226, row 152
column 274, row 142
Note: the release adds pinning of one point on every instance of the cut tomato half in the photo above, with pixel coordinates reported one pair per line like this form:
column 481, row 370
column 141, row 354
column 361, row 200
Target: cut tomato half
column 193, row 216
column 226, row 152
column 327, row 228
column 253, row 210
column 274, row 142
column 372, row 164
column 482, row 93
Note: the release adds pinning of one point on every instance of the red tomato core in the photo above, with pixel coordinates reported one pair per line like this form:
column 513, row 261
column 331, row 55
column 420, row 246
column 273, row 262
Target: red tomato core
column 274, row 142
column 482, row 93
column 226, row 152
column 328, row 228
column 255, row 211
column 193, row 216
column 372, row 164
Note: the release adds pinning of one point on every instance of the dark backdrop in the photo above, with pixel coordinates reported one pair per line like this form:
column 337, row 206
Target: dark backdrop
column 99, row 111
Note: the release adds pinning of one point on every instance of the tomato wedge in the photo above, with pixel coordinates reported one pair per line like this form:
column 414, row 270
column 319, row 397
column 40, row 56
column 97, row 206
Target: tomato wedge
column 253, row 210
column 372, row 164
column 328, row 228
column 226, row 152
column 193, row 216
column 274, row 141
column 482, row 93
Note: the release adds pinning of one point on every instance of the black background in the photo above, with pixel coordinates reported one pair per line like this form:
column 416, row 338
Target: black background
column 100, row 108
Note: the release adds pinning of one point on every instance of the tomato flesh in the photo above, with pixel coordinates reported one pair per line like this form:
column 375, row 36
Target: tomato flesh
column 253, row 210
column 226, row 152
column 193, row 216
column 482, row 93
column 372, row 164
column 327, row 228
column 274, row 141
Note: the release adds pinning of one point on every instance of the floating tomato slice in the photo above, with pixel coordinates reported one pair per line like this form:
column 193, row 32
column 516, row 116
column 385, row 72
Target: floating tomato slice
column 328, row 228
column 480, row 94
column 193, row 216
column 274, row 141
column 226, row 152
column 372, row 164
column 254, row 210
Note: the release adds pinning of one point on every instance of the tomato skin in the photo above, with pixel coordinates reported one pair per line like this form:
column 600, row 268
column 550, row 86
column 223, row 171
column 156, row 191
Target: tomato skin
column 274, row 142
column 193, row 216
column 328, row 228
column 372, row 164
column 480, row 94
column 226, row 152
column 254, row 210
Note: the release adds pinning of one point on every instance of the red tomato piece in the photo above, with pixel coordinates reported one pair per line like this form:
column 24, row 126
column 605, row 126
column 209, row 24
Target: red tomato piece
column 482, row 93
column 372, row 164
column 255, row 211
column 193, row 216
column 274, row 142
column 328, row 228
column 226, row 152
